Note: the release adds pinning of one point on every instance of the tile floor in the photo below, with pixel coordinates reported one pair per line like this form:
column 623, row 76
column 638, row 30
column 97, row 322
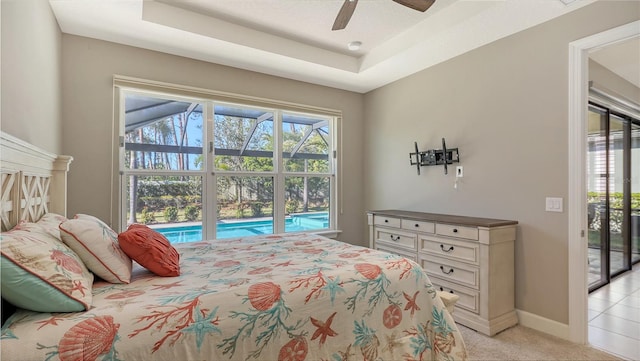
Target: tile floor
column 614, row 316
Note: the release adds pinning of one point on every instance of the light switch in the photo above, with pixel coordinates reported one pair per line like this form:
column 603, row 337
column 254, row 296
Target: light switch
column 553, row 204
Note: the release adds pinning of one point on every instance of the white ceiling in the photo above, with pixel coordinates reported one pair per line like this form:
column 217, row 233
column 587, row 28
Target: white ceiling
column 293, row 38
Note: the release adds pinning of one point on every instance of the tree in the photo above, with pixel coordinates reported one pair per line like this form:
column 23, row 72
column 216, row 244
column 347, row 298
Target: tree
column 242, row 135
column 171, row 130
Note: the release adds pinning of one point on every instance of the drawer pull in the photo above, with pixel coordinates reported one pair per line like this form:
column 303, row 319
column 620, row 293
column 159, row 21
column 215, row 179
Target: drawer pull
column 455, row 230
column 442, row 289
column 386, row 221
column 447, row 273
column 395, row 239
column 446, row 250
column 416, row 225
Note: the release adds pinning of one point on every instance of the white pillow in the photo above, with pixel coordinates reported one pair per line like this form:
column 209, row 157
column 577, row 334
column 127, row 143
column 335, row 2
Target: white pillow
column 97, row 245
column 50, row 222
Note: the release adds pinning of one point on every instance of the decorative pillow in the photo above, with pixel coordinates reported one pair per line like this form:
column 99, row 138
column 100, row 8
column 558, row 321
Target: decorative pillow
column 97, row 246
column 50, row 222
column 89, row 217
column 42, row 274
column 150, row 249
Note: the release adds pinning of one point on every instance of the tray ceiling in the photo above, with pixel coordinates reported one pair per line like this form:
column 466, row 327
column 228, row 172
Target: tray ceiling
column 293, row 38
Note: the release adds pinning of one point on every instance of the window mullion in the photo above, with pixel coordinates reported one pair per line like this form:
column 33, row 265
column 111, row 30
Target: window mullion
column 210, row 203
column 279, row 209
column 122, row 196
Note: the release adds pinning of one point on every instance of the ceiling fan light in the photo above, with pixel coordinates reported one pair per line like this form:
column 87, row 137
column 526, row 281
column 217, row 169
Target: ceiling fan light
column 354, row 45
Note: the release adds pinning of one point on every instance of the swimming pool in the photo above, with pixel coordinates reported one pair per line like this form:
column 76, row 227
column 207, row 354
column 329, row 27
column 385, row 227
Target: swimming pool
column 294, row 223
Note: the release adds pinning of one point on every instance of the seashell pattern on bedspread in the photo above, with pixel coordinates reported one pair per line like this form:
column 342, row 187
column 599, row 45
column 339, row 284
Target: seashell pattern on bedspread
column 276, row 297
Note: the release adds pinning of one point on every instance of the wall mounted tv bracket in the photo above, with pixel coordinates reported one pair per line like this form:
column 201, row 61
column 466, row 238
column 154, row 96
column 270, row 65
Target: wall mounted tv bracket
column 442, row 156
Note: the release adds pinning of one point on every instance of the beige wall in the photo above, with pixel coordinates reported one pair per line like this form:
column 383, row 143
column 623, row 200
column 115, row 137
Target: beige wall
column 30, row 86
column 611, row 81
column 88, row 68
column 505, row 107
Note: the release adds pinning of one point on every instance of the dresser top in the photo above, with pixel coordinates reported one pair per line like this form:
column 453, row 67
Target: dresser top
column 444, row 218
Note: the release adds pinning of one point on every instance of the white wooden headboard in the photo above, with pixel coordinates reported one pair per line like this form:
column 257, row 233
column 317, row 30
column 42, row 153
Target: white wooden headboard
column 33, row 182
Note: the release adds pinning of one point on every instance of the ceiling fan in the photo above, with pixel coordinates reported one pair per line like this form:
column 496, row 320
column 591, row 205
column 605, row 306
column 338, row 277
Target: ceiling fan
column 344, row 15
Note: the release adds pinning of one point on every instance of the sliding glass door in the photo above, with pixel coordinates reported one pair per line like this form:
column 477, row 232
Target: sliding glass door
column 635, row 192
column 597, row 171
column 613, row 193
column 617, row 195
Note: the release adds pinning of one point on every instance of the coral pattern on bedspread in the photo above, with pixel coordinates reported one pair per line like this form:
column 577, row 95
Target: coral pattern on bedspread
column 276, row 297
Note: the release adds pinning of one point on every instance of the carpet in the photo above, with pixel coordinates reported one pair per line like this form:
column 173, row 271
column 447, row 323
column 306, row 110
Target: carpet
column 523, row 343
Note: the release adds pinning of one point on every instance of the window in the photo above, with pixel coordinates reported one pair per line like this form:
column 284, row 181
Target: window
column 199, row 168
column 307, row 167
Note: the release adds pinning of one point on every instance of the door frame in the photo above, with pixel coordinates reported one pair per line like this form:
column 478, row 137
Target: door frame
column 577, row 144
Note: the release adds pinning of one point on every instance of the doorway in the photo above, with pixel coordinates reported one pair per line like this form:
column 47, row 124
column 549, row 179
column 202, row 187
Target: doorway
column 577, row 145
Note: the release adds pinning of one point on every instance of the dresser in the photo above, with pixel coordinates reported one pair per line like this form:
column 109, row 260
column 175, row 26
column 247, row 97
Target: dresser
column 467, row 256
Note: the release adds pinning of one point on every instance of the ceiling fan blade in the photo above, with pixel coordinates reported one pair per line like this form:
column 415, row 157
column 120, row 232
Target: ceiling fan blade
column 420, row 5
column 344, row 15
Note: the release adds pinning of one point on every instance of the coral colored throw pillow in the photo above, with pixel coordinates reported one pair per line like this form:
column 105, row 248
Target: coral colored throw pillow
column 150, row 249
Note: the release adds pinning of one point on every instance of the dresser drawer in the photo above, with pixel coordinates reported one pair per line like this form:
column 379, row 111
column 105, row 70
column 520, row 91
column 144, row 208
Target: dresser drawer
column 450, row 230
column 452, row 271
column 406, row 254
column 469, row 299
column 396, row 238
column 387, row 221
column 450, row 248
column 418, row 226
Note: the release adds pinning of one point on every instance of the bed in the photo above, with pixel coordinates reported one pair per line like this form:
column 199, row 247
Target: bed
column 274, row 297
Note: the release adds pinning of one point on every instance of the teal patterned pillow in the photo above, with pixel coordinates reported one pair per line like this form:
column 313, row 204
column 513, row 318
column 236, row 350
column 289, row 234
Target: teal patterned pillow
column 40, row 273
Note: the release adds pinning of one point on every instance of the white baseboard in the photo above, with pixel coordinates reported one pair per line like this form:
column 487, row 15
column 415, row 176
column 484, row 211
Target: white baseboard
column 542, row 324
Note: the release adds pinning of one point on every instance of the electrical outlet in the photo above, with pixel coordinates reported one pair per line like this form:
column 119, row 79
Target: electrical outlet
column 459, row 172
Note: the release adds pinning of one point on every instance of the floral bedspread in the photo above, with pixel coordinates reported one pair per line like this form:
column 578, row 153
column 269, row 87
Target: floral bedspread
column 277, row 297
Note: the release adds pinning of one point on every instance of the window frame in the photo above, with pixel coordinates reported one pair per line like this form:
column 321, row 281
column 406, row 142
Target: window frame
column 209, row 99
